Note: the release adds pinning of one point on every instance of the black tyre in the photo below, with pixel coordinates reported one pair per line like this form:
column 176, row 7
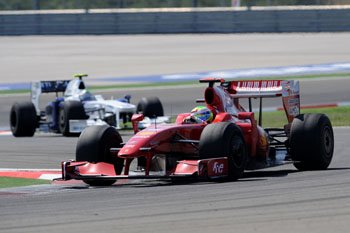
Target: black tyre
column 150, row 107
column 311, row 142
column 225, row 139
column 70, row 110
column 23, row 119
column 94, row 146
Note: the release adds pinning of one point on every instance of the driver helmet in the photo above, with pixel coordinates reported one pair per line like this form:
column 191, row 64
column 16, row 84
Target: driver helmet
column 86, row 95
column 202, row 113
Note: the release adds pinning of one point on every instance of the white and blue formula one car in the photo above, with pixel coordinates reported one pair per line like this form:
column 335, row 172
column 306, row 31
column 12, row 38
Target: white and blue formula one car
column 78, row 109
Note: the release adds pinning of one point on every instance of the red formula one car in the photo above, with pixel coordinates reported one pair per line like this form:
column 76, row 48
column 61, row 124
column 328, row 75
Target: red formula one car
column 232, row 142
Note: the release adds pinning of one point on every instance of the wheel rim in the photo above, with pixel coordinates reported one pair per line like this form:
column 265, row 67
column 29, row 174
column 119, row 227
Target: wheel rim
column 328, row 141
column 61, row 121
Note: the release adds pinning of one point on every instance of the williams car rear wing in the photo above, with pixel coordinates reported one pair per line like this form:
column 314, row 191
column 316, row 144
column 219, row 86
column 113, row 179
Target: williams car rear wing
column 38, row 87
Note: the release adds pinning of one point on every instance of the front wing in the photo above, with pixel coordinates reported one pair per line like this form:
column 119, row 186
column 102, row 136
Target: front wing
column 206, row 168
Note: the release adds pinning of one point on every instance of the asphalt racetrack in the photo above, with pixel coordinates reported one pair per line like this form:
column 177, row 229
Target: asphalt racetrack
column 279, row 199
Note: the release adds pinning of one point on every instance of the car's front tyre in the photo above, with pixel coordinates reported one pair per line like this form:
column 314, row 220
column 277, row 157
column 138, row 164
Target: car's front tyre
column 94, row 146
column 225, row 139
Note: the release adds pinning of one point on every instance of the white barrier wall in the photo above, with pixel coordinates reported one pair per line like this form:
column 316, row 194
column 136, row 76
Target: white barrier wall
column 176, row 20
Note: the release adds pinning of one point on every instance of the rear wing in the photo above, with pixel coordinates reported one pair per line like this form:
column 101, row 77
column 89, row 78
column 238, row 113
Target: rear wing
column 53, row 86
column 287, row 89
column 38, row 87
column 251, row 88
column 255, row 88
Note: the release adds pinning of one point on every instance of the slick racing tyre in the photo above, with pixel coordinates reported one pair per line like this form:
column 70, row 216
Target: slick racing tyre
column 150, row 107
column 224, row 139
column 311, row 142
column 94, row 146
column 70, row 110
column 23, row 119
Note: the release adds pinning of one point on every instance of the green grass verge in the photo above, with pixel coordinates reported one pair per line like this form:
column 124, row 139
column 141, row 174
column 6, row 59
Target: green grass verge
column 339, row 116
column 160, row 84
column 8, row 182
column 14, row 92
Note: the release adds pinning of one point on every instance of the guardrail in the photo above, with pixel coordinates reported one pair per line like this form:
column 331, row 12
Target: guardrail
column 176, row 20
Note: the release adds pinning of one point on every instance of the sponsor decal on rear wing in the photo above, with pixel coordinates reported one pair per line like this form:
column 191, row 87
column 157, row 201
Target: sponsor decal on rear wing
column 291, row 99
column 53, row 86
column 256, row 87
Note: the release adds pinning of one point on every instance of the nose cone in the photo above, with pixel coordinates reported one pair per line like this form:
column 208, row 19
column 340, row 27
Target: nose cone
column 142, row 139
column 158, row 139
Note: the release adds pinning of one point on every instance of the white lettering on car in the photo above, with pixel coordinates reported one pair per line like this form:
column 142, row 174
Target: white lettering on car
column 218, row 168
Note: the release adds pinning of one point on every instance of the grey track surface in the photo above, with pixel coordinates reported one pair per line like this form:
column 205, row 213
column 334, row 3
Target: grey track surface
column 274, row 200
column 27, row 58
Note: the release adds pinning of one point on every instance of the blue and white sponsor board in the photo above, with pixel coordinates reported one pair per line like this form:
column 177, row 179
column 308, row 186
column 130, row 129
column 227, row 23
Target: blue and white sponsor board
column 226, row 74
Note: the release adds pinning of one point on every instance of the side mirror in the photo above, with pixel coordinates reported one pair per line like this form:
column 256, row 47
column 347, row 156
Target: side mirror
column 127, row 97
column 248, row 116
column 135, row 119
column 245, row 115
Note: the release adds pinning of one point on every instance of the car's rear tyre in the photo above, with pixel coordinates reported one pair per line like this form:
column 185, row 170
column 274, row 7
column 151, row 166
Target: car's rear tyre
column 70, row 110
column 94, row 146
column 225, row 139
column 311, row 142
column 23, row 119
column 150, row 107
